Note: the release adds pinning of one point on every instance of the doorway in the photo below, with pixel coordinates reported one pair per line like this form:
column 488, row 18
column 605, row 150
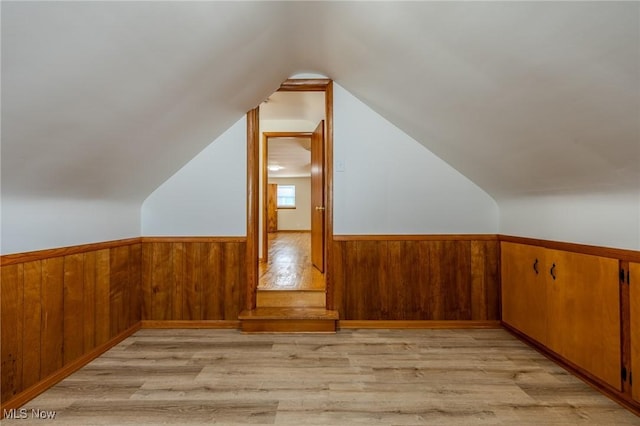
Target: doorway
column 289, row 199
column 256, row 244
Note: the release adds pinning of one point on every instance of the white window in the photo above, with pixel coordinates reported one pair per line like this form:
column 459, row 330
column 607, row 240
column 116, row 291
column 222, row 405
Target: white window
column 286, row 196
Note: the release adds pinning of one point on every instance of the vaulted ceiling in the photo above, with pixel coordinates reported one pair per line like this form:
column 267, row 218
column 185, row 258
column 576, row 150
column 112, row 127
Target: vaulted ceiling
column 109, row 99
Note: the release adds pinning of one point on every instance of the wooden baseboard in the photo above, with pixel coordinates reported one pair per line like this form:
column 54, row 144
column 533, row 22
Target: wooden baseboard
column 416, row 324
column 44, row 384
column 583, row 375
column 190, row 324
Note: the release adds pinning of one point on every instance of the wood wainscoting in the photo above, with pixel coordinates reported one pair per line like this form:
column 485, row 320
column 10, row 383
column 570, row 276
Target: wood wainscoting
column 416, row 277
column 193, row 279
column 58, row 306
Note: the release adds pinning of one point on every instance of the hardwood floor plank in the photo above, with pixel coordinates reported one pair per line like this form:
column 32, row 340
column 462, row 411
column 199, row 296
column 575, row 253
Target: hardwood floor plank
column 379, row 377
column 289, row 266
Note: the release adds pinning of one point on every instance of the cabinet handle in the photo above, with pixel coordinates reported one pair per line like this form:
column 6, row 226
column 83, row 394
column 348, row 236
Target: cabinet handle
column 553, row 271
column 535, row 266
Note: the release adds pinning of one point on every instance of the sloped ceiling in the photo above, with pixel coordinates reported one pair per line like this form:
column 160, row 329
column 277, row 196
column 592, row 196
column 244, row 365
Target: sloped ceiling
column 109, row 99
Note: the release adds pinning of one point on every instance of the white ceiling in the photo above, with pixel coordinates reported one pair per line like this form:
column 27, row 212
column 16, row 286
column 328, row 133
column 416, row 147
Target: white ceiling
column 292, row 154
column 109, row 99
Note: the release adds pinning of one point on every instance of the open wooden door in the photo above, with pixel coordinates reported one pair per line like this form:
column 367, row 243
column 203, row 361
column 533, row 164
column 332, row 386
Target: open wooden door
column 317, row 197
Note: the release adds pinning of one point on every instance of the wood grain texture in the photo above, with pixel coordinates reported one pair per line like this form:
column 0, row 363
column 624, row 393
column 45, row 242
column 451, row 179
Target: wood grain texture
column 135, row 284
column 328, row 175
column 634, row 299
column 611, row 252
column 416, row 279
column 33, row 391
column 193, row 280
column 318, row 204
column 571, row 306
column 12, row 259
column 73, row 330
column 12, row 328
column 57, row 310
column 289, row 266
column 119, row 290
column 103, row 294
column 376, row 377
column 524, row 291
column 89, row 302
column 305, row 85
column 584, row 313
column 52, row 338
column 253, row 203
column 417, row 237
column 272, row 209
column 32, row 323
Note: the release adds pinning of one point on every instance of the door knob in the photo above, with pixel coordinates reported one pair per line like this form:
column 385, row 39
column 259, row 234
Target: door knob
column 319, row 207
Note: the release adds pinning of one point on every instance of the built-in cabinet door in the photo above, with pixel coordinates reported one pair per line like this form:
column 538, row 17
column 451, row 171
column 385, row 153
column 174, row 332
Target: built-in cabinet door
column 584, row 312
column 524, row 304
column 568, row 302
column 634, row 297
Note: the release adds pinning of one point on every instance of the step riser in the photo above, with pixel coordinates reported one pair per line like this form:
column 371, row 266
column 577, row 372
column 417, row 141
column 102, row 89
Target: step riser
column 288, row 326
column 284, row 299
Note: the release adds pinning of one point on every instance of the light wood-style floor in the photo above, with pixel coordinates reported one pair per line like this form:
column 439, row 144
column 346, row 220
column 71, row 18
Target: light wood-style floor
column 372, row 377
column 289, row 264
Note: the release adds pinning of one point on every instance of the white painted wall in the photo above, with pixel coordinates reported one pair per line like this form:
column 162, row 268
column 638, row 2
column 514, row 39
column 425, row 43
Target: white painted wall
column 298, row 219
column 605, row 219
column 391, row 184
column 39, row 223
column 207, row 196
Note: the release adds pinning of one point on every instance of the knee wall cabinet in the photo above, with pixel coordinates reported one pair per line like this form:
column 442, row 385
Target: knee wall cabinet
column 568, row 302
column 634, row 298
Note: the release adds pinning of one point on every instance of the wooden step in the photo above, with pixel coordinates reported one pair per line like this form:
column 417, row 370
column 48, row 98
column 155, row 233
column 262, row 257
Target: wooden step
column 291, row 298
column 288, row 320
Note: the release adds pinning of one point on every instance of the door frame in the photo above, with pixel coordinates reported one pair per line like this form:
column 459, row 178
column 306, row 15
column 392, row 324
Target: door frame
column 265, row 178
column 253, row 187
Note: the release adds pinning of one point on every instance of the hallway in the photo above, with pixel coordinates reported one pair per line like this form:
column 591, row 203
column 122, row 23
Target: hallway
column 289, row 264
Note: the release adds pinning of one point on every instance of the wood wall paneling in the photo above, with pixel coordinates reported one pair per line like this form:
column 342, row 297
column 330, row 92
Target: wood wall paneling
column 102, row 297
column 193, row 280
column 213, row 282
column 416, row 279
column 195, row 269
column 135, row 284
column 73, row 309
column 52, row 327
column 634, row 298
column 11, row 303
column 176, row 294
column 89, row 302
column 485, row 280
column 120, row 289
column 32, row 323
column 157, row 277
column 56, row 310
column 234, row 278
